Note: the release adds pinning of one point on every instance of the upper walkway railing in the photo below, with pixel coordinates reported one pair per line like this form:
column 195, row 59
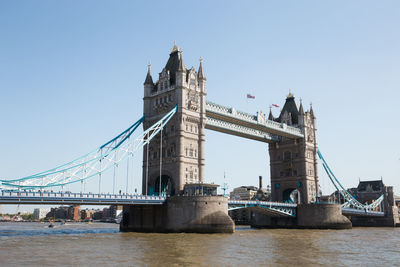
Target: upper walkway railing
column 217, row 111
column 265, row 203
column 239, row 130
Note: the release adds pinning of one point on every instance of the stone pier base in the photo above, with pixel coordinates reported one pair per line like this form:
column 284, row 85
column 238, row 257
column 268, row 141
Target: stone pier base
column 321, row 216
column 391, row 219
column 309, row 216
column 191, row 214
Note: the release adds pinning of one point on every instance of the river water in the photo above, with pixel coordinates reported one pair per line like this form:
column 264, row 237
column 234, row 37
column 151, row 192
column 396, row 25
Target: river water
column 81, row 244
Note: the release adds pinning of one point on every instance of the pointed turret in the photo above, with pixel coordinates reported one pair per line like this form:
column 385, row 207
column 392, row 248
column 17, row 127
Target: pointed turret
column 181, row 65
column 149, row 79
column 175, row 48
column 291, row 108
column 200, row 73
column 173, row 63
column 311, row 111
column 270, row 116
column 301, row 109
column 301, row 114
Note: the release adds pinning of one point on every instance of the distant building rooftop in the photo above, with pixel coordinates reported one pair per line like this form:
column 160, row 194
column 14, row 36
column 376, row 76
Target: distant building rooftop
column 370, row 186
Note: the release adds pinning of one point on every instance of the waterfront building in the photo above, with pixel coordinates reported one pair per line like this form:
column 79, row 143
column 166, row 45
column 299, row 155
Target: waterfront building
column 243, row 193
column 73, row 212
column 87, row 214
column 40, row 213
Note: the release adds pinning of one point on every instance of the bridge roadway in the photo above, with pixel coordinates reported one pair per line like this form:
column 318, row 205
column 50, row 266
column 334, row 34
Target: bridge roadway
column 60, row 198
column 63, row 198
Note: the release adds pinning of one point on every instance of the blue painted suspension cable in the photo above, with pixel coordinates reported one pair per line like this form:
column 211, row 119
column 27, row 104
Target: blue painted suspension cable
column 163, row 121
column 53, row 170
column 329, row 169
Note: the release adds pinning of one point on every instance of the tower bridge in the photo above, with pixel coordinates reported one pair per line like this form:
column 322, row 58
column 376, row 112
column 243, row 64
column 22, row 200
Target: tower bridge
column 175, row 116
column 291, row 136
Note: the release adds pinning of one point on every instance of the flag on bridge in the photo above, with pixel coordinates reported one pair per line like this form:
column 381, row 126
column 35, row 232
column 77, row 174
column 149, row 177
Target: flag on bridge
column 251, row 96
column 275, row 105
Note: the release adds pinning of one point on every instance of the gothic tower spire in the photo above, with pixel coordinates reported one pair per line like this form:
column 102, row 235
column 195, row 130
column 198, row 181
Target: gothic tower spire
column 181, row 66
column 149, row 79
column 301, row 109
column 270, row 116
column 200, row 73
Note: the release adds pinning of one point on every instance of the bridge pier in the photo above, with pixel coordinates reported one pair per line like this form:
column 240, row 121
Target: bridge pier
column 190, row 214
column 391, row 218
column 308, row 216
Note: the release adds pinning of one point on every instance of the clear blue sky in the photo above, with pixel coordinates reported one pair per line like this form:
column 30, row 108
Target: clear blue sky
column 72, row 73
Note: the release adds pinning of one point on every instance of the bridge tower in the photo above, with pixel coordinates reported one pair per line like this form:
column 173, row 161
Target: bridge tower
column 293, row 162
column 183, row 138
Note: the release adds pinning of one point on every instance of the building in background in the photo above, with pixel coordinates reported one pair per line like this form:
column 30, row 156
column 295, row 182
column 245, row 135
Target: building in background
column 40, row 213
column 242, row 216
column 243, row 193
column 64, row 213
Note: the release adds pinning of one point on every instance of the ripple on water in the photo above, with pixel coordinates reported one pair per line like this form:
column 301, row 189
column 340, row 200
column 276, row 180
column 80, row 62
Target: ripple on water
column 81, row 244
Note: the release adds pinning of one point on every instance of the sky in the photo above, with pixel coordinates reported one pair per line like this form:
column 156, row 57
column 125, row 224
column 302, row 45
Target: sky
column 72, row 73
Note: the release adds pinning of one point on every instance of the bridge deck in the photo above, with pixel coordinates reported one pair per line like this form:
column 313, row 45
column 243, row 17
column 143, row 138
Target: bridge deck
column 357, row 212
column 59, row 198
column 49, row 198
column 232, row 121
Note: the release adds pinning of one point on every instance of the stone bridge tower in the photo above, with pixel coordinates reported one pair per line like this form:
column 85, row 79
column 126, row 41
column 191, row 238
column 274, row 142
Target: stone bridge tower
column 183, row 137
column 293, row 162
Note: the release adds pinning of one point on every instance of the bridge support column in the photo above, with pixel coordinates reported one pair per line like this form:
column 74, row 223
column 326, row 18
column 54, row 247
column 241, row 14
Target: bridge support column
column 308, row 216
column 391, row 218
column 321, row 216
column 191, row 214
column 293, row 162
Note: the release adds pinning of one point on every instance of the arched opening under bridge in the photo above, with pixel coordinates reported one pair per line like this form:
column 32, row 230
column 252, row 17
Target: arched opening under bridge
column 167, row 187
column 291, row 195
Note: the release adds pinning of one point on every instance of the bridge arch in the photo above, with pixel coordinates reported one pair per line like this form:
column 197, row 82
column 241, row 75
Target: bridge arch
column 291, row 195
column 168, row 186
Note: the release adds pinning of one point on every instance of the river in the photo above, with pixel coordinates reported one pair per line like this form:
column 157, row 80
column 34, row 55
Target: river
column 81, row 244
